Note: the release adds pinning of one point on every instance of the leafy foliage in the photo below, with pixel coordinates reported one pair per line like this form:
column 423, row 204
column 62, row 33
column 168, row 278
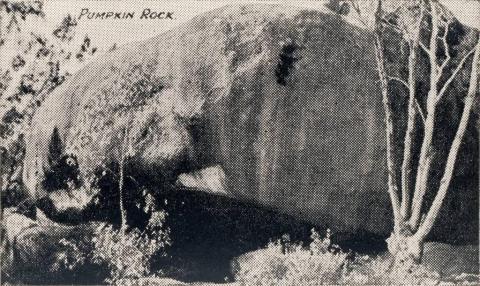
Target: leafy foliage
column 20, row 9
column 338, row 6
column 73, row 255
column 128, row 254
column 286, row 263
column 66, row 30
column 322, row 263
column 39, row 63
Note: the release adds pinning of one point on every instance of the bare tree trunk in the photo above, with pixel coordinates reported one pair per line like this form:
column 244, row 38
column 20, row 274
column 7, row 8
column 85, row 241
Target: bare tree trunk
column 432, row 214
column 426, row 153
column 36, row 173
column 410, row 132
column 123, row 212
column 392, row 181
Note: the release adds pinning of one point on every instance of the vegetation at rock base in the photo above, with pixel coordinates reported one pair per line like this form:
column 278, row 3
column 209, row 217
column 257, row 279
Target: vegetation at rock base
column 323, row 263
column 128, row 254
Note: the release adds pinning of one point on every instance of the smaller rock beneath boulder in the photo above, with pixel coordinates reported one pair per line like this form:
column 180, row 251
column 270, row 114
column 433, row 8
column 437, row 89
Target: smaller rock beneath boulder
column 451, row 260
column 32, row 250
column 147, row 281
column 150, row 282
column 210, row 180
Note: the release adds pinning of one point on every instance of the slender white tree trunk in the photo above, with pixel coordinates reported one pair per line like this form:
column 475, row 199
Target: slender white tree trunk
column 123, row 211
column 413, row 43
column 426, row 152
column 392, row 181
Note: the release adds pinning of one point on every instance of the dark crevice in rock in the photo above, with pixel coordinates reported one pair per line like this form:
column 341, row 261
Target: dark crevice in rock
column 286, row 62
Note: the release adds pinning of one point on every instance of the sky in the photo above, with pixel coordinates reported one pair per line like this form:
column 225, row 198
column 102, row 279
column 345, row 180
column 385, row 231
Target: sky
column 120, row 31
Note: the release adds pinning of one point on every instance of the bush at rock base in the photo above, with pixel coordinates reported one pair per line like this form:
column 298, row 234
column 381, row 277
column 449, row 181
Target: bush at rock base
column 128, row 254
column 322, row 263
column 126, row 259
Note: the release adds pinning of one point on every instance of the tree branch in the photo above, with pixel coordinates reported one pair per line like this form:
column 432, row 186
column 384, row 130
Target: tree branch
column 397, row 79
column 454, row 74
column 433, row 47
column 447, row 50
column 419, row 109
column 395, row 28
column 424, row 48
column 404, row 83
column 356, row 8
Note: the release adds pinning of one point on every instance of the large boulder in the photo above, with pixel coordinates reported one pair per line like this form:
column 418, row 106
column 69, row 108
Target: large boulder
column 284, row 100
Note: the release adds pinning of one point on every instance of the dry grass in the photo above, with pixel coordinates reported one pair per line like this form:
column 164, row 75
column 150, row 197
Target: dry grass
column 321, row 263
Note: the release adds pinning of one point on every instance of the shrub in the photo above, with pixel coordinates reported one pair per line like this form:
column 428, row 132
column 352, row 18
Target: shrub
column 286, row 263
column 72, row 255
column 380, row 270
column 128, row 254
column 322, row 263
column 72, row 199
